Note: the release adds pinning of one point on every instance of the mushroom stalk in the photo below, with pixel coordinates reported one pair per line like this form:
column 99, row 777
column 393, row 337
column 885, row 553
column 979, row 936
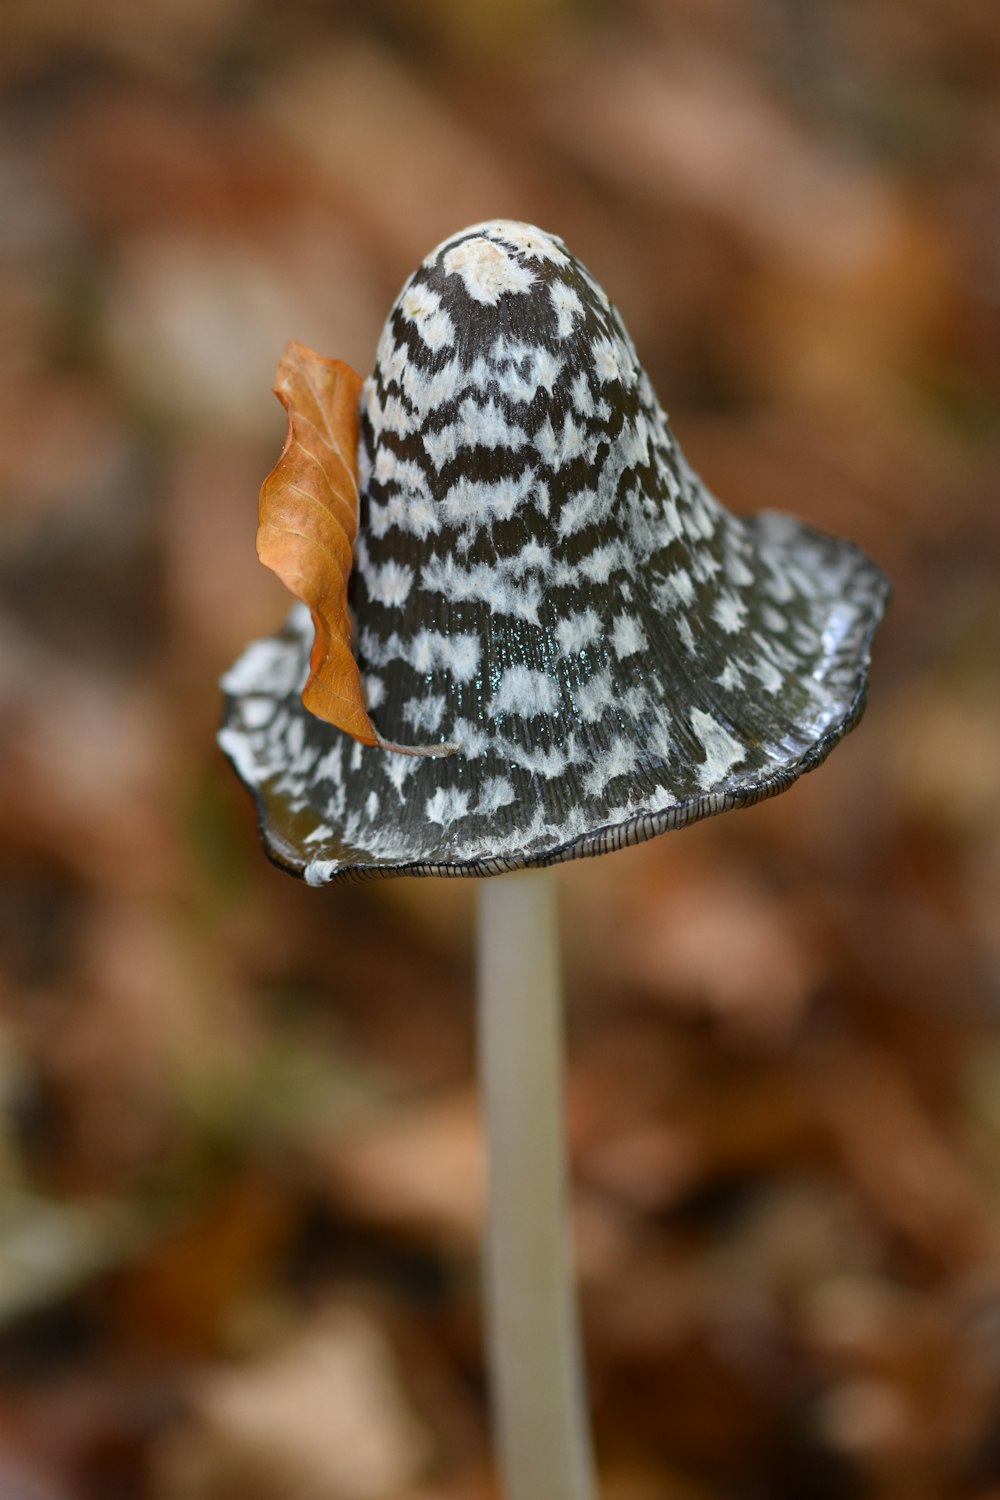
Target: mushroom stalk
column 533, row 1338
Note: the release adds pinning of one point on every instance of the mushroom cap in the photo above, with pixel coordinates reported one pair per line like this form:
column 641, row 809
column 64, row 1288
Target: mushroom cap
column 541, row 579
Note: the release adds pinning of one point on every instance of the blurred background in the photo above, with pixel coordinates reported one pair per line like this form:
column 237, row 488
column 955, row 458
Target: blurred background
column 239, row 1153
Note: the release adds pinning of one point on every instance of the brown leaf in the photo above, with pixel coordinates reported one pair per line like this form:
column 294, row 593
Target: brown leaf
column 308, row 522
column 326, row 1413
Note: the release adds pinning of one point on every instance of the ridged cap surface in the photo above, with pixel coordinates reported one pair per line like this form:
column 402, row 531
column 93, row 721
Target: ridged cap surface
column 541, row 579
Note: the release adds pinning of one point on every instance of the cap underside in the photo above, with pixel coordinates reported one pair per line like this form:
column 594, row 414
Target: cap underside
column 541, row 579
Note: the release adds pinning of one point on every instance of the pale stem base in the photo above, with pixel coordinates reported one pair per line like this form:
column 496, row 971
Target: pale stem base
column 533, row 1338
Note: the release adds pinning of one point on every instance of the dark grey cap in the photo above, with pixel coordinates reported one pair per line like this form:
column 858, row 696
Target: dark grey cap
column 541, row 579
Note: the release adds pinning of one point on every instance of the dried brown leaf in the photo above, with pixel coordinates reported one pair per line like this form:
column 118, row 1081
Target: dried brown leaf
column 308, row 522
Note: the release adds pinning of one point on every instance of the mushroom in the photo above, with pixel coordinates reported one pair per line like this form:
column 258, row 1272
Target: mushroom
column 543, row 582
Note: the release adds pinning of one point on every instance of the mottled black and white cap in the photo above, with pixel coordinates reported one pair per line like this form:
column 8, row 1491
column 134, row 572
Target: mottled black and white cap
column 542, row 580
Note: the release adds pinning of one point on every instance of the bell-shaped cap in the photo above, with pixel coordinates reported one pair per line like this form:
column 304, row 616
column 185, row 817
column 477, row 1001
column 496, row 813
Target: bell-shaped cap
column 542, row 580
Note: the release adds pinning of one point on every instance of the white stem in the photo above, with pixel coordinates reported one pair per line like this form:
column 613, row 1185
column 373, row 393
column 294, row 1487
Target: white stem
column 533, row 1337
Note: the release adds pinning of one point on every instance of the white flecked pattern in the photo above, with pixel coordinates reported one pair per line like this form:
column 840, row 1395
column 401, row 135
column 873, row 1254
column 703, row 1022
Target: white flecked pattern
column 541, row 579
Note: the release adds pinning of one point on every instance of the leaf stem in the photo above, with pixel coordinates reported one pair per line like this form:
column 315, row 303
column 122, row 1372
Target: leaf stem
column 533, row 1340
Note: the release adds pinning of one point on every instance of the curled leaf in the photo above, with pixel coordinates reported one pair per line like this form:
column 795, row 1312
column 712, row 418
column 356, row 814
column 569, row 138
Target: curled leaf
column 308, row 522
